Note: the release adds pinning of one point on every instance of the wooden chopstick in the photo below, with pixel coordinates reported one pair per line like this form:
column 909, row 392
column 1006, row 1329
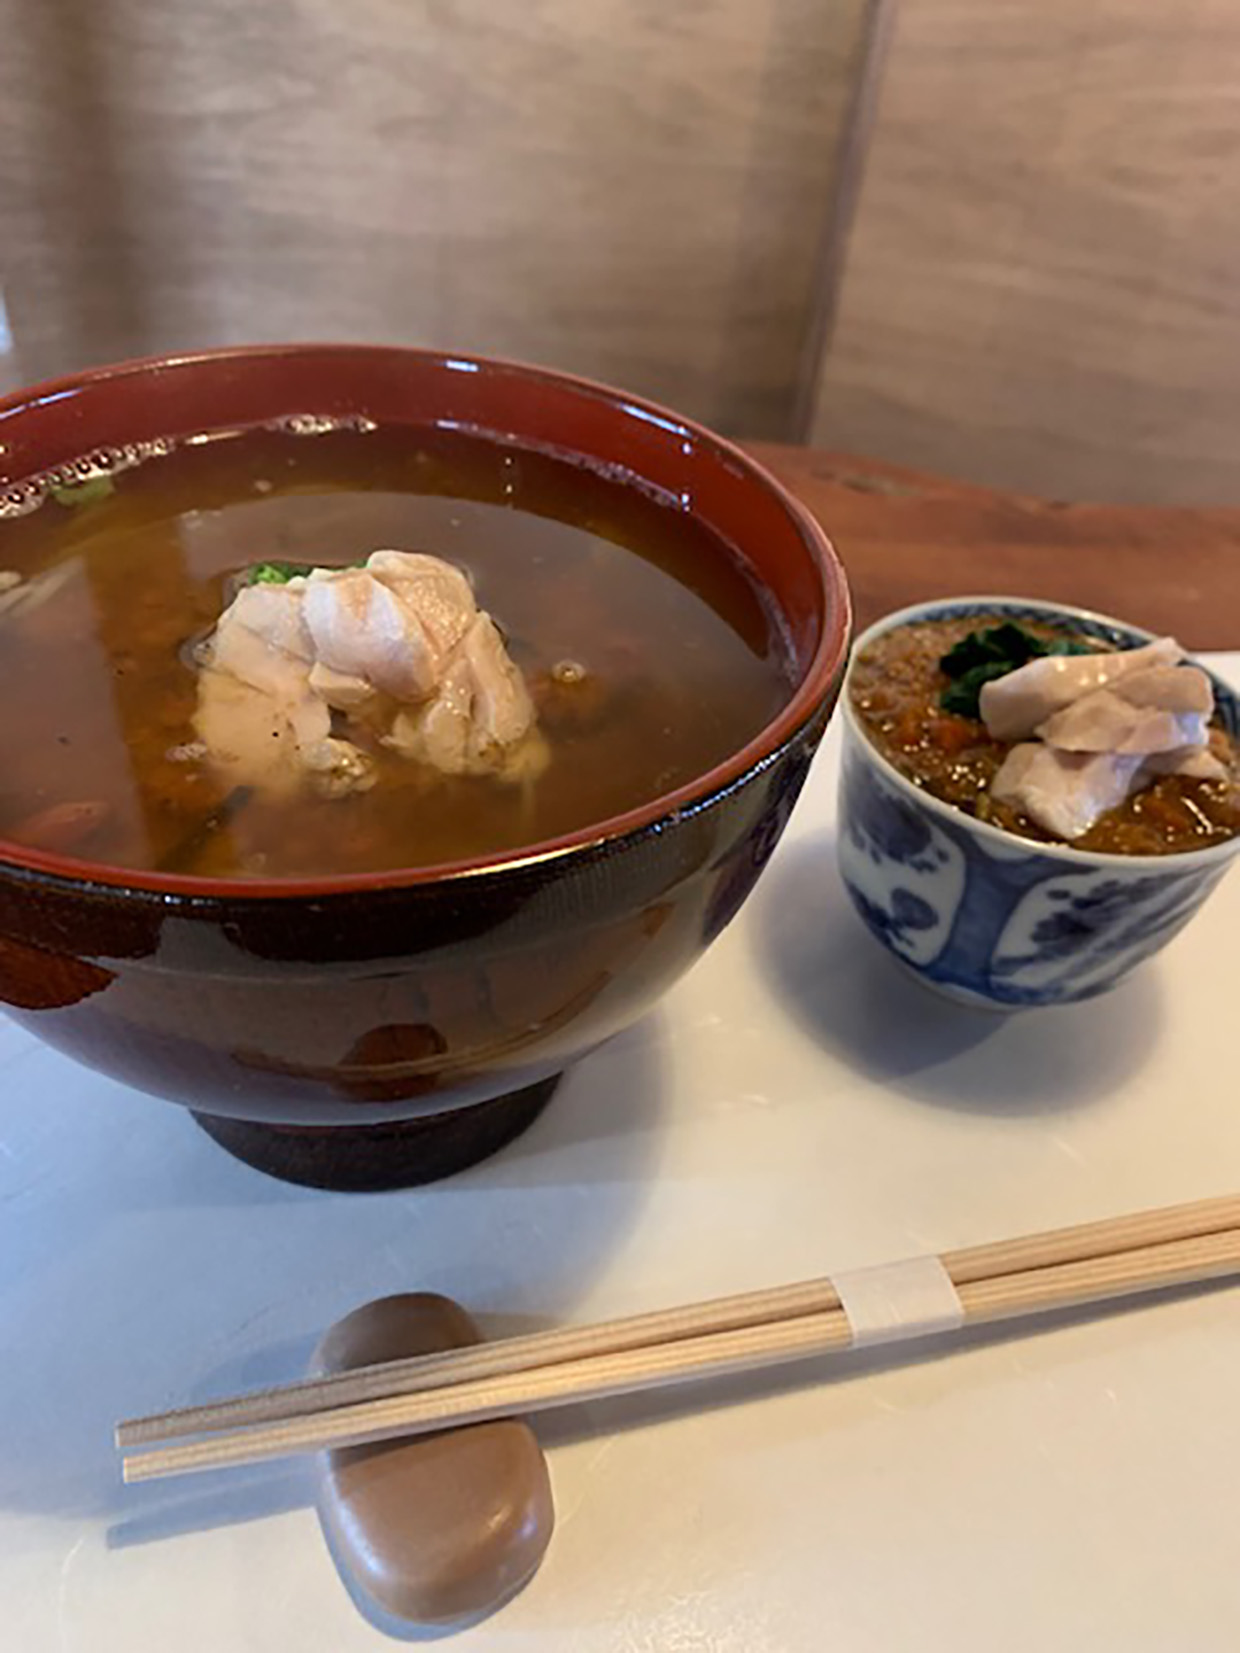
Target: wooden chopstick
column 749, row 1348
column 721, row 1314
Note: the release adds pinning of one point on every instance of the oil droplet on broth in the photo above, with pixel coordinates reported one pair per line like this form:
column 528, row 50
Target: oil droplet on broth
column 101, row 465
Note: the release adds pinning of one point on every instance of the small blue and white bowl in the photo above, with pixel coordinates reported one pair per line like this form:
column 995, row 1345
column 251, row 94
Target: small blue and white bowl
column 987, row 918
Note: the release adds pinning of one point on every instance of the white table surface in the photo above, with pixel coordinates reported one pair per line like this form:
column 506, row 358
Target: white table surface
column 795, row 1105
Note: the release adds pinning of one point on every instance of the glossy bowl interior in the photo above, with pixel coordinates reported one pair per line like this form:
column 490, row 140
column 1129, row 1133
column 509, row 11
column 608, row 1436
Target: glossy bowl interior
column 981, row 915
column 369, row 999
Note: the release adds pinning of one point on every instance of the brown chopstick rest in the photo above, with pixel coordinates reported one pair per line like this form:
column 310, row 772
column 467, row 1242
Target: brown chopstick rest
column 441, row 1527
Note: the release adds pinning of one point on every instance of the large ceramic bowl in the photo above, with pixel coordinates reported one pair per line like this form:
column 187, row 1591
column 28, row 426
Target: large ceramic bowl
column 372, row 1030
column 988, row 918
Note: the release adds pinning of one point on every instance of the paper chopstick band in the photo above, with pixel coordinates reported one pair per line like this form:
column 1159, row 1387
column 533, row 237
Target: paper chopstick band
column 912, row 1298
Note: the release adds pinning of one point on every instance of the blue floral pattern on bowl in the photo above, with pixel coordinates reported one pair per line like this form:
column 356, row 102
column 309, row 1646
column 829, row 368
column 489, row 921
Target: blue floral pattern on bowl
column 992, row 919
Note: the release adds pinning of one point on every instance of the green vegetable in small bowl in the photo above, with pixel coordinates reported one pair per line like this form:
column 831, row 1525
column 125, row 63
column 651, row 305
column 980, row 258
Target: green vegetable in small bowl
column 992, row 652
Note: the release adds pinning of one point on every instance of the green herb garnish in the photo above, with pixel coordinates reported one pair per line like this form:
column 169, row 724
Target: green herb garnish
column 993, row 652
column 88, row 492
column 275, row 573
column 280, row 573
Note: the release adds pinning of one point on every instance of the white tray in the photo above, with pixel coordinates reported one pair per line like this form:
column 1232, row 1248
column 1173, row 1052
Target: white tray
column 795, row 1105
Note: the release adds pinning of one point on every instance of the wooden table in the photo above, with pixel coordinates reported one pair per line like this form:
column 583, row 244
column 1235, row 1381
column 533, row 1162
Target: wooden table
column 905, row 536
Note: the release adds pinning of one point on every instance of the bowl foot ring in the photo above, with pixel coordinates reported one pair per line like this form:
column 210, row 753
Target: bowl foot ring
column 366, row 1158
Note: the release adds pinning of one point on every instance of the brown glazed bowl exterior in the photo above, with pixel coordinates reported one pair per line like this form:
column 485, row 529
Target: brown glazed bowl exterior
column 377, row 998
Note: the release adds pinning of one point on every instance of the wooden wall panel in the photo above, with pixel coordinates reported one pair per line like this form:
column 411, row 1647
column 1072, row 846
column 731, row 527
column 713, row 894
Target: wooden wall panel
column 627, row 188
column 1042, row 288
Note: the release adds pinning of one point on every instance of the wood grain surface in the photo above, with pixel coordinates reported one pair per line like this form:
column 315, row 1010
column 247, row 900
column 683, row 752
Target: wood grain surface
column 617, row 187
column 1041, row 290
column 905, row 536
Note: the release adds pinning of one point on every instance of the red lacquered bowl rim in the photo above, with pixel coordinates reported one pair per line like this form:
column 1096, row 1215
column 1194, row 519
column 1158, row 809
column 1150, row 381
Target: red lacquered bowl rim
column 821, row 675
